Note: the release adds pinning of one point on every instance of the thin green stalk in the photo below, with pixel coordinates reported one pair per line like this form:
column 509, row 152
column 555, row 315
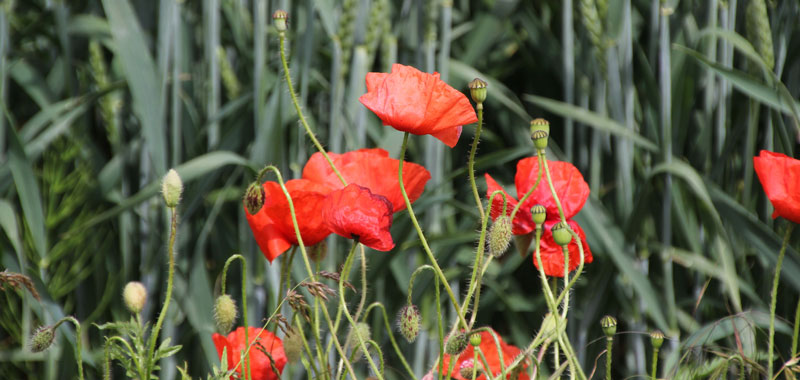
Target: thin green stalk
column 477, row 275
column 348, row 265
column 312, row 363
column 471, row 162
column 391, row 336
column 475, row 362
column 796, row 329
column 170, row 274
column 655, row 364
column 131, row 354
column 424, row 241
column 440, row 326
column 78, row 344
column 773, row 303
column 228, row 262
column 287, row 75
column 609, row 346
column 528, row 194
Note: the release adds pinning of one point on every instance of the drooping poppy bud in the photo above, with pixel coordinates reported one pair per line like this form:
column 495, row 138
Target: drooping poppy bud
column 42, row 338
column 456, row 343
column 467, row 369
column 171, row 188
column 135, row 296
column 408, row 321
column 225, row 313
column 254, row 198
column 552, row 327
column 500, row 236
column 279, row 18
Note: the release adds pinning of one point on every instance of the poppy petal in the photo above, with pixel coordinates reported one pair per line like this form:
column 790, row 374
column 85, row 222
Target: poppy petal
column 492, row 355
column 780, row 177
column 568, row 183
column 269, row 239
column 261, row 367
column 356, row 213
column 553, row 258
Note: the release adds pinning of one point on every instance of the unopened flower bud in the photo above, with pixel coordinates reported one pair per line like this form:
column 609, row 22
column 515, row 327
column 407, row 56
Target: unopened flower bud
column 500, row 236
column 475, row 339
column 42, row 338
column 171, row 188
column 317, row 252
column 539, row 214
column 467, row 369
column 293, row 346
column 456, row 343
column 657, row 339
column 609, row 325
column 540, row 133
column 362, row 330
column 408, row 320
column 477, row 89
column 279, row 18
column 254, row 198
column 552, row 328
column 135, row 296
column 225, row 313
column 561, row 234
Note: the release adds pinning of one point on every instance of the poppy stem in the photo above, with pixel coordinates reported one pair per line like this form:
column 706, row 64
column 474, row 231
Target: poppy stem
column 654, row 369
column 609, row 346
column 477, row 274
column 471, row 162
column 170, row 274
column 244, row 304
column 773, row 303
column 796, row 329
column 287, row 74
column 391, row 335
column 78, row 345
column 422, row 236
column 309, row 364
column 528, row 194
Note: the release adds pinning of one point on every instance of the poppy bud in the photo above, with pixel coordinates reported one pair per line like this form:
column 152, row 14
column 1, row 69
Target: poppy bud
column 224, row 313
column 254, row 198
column 456, row 343
column 467, row 369
column 538, row 214
column 540, row 131
column 134, row 295
column 279, row 17
column 362, row 330
column 657, row 339
column 549, row 328
column 561, row 234
column 499, row 236
column 42, row 338
column 609, row 325
column 475, row 339
column 293, row 346
column 171, row 188
column 317, row 252
column 408, row 321
column 477, row 89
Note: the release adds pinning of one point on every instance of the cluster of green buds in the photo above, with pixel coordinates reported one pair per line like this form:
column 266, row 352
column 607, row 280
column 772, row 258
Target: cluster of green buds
column 540, row 132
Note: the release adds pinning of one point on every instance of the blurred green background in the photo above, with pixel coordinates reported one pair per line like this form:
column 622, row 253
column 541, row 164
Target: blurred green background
column 660, row 104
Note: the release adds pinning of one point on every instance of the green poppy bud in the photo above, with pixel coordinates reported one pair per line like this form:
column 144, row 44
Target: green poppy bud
column 225, row 313
column 293, row 346
column 500, row 236
column 42, row 338
column 456, row 343
column 561, row 234
column 477, row 89
column 362, row 330
column 657, row 339
column 279, row 18
column 171, row 188
column 609, row 325
column 539, row 214
column 254, row 198
column 135, row 296
column 550, row 330
column 408, row 321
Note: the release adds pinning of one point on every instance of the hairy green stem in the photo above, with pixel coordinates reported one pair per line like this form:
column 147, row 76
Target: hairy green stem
column 773, row 302
column 796, row 329
column 609, row 346
column 471, row 162
column 391, row 336
column 477, row 274
column 228, row 262
column 170, row 274
column 78, row 344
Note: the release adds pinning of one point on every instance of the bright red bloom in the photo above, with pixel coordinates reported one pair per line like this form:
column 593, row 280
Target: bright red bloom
column 572, row 191
column 260, row 366
column 370, row 168
column 272, row 226
column 780, row 176
column 489, row 349
column 419, row 103
column 356, row 213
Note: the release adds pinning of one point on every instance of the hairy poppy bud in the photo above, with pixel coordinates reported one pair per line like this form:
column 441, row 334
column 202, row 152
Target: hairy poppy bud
column 609, row 325
column 254, row 198
column 456, row 343
column 539, row 214
column 171, row 188
column 499, row 236
column 224, row 313
column 477, row 89
column 550, row 330
column 561, row 234
column 475, row 339
column 135, row 296
column 467, row 369
column 279, row 17
column 408, row 320
column 362, row 330
column 42, row 338
column 540, row 132
column 657, row 339
column 293, row 346
column 317, row 252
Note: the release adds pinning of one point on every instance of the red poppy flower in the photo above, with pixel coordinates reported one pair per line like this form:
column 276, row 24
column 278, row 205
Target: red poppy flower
column 489, row 349
column 419, row 103
column 370, row 168
column 356, row 213
column 260, row 366
column 272, row 226
column 572, row 191
column 780, row 176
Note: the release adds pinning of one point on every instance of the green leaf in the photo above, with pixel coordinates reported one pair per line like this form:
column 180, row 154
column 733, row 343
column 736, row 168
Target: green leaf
column 590, row 118
column 8, row 221
column 28, row 192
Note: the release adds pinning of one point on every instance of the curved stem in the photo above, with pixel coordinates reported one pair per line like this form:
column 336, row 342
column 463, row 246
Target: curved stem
column 171, row 273
column 773, row 302
column 527, row 194
column 424, row 241
column 477, row 274
column 312, row 363
column 78, row 344
column 391, row 336
column 288, row 76
column 471, row 162
column 228, row 262
column 543, row 161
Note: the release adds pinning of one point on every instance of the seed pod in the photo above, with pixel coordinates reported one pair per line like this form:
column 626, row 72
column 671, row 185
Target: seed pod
column 408, row 321
column 609, row 325
column 539, row 214
column 500, row 236
column 135, row 296
column 657, row 339
column 540, row 133
column 477, row 89
column 171, row 188
column 279, row 18
column 475, row 339
column 225, row 313
column 561, row 234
